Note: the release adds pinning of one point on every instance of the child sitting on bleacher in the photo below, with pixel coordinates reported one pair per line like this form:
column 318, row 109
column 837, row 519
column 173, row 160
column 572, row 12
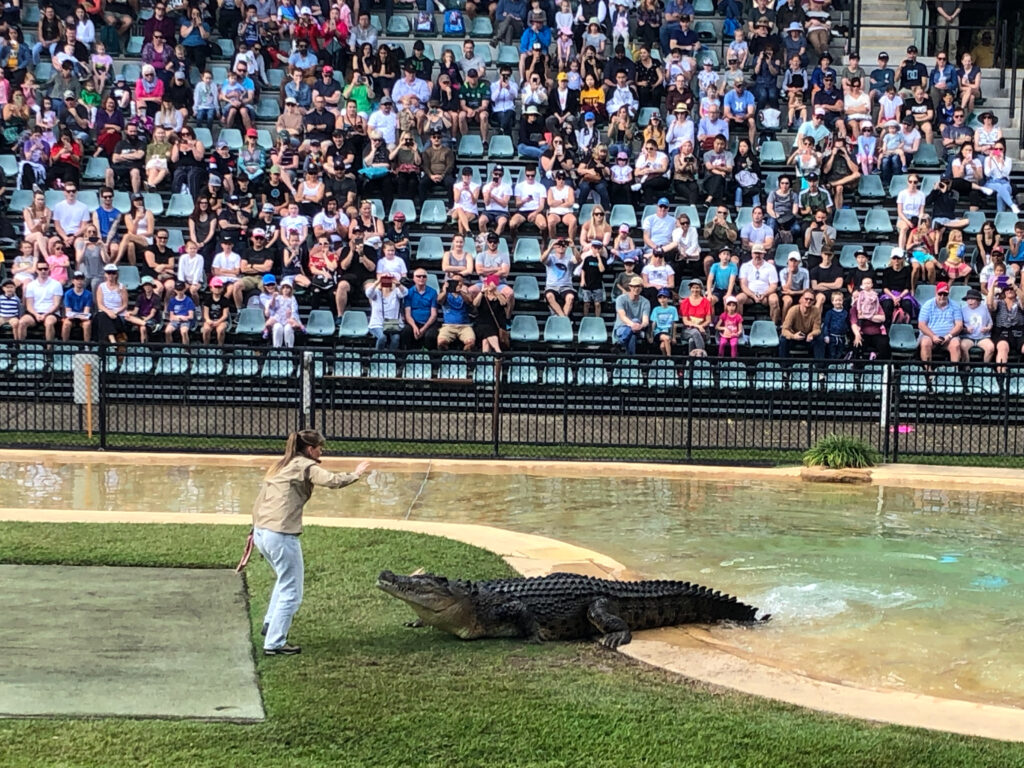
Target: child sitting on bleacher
column 621, row 285
column 663, row 320
column 102, row 66
column 10, row 306
column 954, row 266
column 730, row 328
column 623, row 247
column 738, row 48
column 835, row 327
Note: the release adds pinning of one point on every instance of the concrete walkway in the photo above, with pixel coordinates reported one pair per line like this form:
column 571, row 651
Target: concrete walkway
column 130, row 642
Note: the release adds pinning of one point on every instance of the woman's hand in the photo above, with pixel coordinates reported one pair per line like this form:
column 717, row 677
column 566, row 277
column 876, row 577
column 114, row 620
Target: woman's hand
column 361, row 468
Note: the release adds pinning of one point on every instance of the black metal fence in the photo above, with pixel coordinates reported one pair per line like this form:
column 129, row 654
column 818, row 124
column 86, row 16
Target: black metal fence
column 547, row 404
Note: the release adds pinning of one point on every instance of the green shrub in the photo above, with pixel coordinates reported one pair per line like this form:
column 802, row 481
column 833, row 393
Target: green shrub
column 841, row 452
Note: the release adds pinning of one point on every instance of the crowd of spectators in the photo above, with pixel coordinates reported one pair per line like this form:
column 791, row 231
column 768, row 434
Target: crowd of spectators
column 608, row 103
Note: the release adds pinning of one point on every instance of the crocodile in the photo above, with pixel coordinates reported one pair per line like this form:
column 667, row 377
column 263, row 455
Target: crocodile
column 559, row 606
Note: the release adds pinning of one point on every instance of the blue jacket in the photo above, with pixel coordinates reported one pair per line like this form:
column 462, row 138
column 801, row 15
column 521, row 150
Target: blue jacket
column 835, row 323
column 515, row 8
column 530, row 37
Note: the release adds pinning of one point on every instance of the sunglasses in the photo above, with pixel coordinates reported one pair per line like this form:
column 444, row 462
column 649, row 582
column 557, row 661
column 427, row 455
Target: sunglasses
column 599, row 214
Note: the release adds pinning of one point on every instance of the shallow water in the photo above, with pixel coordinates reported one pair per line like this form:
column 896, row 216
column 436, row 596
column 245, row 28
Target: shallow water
column 884, row 587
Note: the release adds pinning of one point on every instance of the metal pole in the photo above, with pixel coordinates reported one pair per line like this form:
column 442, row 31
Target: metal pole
column 923, row 45
column 884, row 420
column 306, row 413
column 103, row 397
column 1002, row 58
column 88, row 400
column 1014, row 85
column 496, row 409
column 689, row 411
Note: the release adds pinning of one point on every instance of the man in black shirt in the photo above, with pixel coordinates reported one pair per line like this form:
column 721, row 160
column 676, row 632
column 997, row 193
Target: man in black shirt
column 357, row 265
column 232, row 220
column 129, row 157
column 318, row 122
column 257, row 261
column 216, row 312
column 421, row 65
column 276, row 191
column 158, row 262
column 911, row 74
column 328, row 87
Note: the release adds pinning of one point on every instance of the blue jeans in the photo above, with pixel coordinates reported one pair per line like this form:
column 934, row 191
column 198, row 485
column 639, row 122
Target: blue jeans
column 889, row 166
column 385, row 340
column 600, row 189
column 533, row 153
column 627, row 337
column 1004, row 193
column 205, row 117
column 284, row 553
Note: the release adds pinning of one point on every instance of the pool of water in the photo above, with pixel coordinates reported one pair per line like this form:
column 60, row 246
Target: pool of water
column 918, row 590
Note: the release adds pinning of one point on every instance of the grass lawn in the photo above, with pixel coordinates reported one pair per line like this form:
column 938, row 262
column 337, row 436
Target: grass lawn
column 369, row 692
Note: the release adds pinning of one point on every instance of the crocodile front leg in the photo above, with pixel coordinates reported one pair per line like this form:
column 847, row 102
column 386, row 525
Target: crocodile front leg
column 613, row 628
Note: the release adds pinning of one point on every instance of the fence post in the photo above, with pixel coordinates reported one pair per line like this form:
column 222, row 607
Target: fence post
column 689, row 409
column 883, row 417
column 894, row 398
column 496, row 410
column 102, row 373
column 306, row 411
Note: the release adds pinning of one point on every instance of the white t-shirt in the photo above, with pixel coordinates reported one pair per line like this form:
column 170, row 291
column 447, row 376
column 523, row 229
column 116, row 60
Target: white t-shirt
column 466, row 197
column 658, row 275
column 759, row 279
column 912, row 202
column 386, row 124
column 71, row 216
column 45, row 296
column 230, row 260
column 298, row 222
column 395, row 267
column 328, row 223
column 530, row 195
column 501, row 189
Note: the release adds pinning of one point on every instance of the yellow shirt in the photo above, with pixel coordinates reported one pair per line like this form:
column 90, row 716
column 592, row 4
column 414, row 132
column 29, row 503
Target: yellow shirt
column 280, row 501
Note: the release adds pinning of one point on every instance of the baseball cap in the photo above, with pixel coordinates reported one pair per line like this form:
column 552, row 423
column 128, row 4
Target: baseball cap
column 305, row 11
column 563, row 75
column 629, row 258
column 622, row 156
column 269, row 280
column 251, row 132
column 663, row 292
column 588, row 116
column 819, row 111
column 663, row 201
column 624, row 228
column 419, row 46
column 259, row 232
column 883, row 55
column 472, row 73
column 812, row 176
column 492, row 237
column 268, row 208
column 78, row 275
column 110, row 268
column 794, row 256
column 69, row 94
column 180, row 74
column 179, row 285
column 149, row 280
column 757, row 248
column 897, row 253
column 942, row 287
column 731, row 300
column 386, row 100
column 288, row 100
column 216, row 282
column 327, row 70
column 399, row 216
column 694, row 281
column 222, row 144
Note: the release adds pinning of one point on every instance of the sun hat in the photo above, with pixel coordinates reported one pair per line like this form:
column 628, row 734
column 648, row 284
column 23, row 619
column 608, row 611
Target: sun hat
column 636, row 281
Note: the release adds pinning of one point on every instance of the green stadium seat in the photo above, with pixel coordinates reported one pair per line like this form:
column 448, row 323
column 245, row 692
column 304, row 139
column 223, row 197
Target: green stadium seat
column 128, row 276
column 30, row 15
column 508, row 54
column 897, row 185
column 983, row 382
column 471, row 147
column 626, row 373
column 268, row 108
column 958, row 293
column 527, row 251
column 204, row 135
column 801, row 377
column 592, row 332
column 846, row 222
column 773, row 153
column 20, row 198
column 399, row 26
column 53, row 196
column 430, row 248
column 433, row 213
column 872, row 379
column 590, row 372
column 179, row 206
column 232, row 136
column 134, row 47
column 483, row 370
column 208, row 362
column 732, row 374
column 557, row 330
column 378, row 207
column 522, row 370
column 153, row 202
column 320, row 325
column 1004, row 223
column 383, row 365
column 175, row 239
column 122, row 200
column 869, row 188
column 707, row 54
column 706, row 32
column 408, row 207
column 622, row 214
column 877, row 223
column 137, row 362
column 763, row 335
column 44, row 72
column 90, row 197
column 30, row 362
column 902, row 340
column 948, row 382
column 95, row 169
column 1016, row 384
column 172, row 362
column 840, row 380
column 279, row 364
column 501, row 147
column 744, row 216
column 923, row 292
column 354, row 325
column 63, row 358
column 417, row 367
column 276, row 78
column 911, row 380
column 847, row 260
column 928, row 182
column 453, row 367
column 927, row 156
column 482, row 28
column 219, row 72
column 556, row 372
column 703, row 8
column 700, row 374
column 662, row 374
column 250, row 322
column 977, row 220
column 348, row 366
column 526, row 288
column 524, row 330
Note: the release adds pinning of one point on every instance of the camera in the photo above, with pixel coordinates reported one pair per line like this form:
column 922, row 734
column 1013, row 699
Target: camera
column 386, row 281
column 452, row 286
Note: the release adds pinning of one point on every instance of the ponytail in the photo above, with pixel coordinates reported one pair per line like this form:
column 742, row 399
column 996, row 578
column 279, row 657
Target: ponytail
column 297, row 444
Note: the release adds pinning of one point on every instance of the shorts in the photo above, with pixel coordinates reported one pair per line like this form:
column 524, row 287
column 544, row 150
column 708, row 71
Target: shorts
column 493, row 217
column 463, row 333
column 921, row 257
column 176, row 324
column 659, row 335
column 588, row 296
column 251, row 282
column 559, row 293
column 227, row 108
column 12, row 321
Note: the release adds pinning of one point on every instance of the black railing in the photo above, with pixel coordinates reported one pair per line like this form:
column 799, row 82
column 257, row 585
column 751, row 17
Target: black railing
column 544, row 404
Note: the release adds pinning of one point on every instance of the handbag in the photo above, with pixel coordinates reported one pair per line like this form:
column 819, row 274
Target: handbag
column 391, row 326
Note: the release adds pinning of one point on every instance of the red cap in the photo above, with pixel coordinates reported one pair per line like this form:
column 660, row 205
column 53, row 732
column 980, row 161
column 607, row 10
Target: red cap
column 251, row 132
column 492, row 280
column 328, row 70
column 942, row 288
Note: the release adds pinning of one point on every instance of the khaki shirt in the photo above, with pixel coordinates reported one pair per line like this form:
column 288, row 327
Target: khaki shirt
column 279, row 504
column 797, row 322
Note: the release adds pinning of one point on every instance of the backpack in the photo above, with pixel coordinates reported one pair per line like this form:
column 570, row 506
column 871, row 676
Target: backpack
column 454, row 24
column 729, row 27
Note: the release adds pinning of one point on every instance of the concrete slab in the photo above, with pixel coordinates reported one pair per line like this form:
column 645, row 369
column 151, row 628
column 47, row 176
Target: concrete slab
column 136, row 642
